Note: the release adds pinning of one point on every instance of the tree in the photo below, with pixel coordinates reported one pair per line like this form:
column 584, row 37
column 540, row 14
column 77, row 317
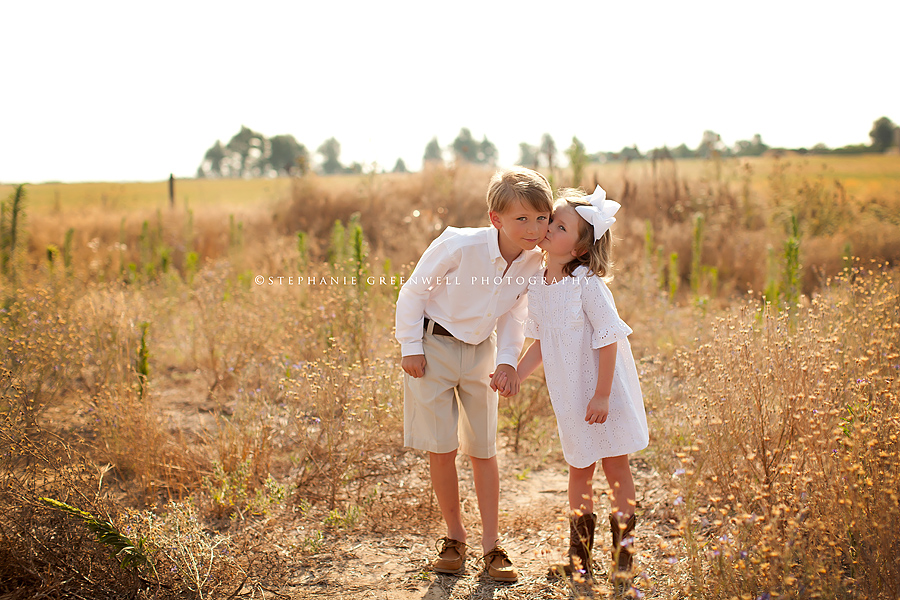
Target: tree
column 487, row 153
column 400, row 166
column 331, row 152
column 212, row 162
column 661, row 153
column 683, row 151
column 753, row 147
column 247, row 149
column 548, row 149
column 433, row 152
column 577, row 160
column 710, row 143
column 882, row 134
column 630, row 153
column 286, row 154
column 465, row 147
column 528, row 155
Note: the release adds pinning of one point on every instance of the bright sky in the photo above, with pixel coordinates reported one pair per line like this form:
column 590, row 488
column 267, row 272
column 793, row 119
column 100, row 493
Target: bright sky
column 122, row 91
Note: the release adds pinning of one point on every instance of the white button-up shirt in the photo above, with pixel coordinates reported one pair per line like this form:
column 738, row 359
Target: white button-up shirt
column 460, row 284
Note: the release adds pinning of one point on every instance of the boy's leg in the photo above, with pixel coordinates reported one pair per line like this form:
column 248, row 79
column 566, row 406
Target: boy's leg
column 431, row 414
column 445, row 482
column 486, row 474
column 478, row 433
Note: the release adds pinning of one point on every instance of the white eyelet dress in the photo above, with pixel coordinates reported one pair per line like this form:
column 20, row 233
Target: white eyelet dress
column 573, row 319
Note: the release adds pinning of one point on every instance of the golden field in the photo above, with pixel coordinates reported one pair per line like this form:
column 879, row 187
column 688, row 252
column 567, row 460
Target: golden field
column 236, row 438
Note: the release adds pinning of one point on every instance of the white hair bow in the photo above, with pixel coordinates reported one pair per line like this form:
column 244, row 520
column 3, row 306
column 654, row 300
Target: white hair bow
column 600, row 213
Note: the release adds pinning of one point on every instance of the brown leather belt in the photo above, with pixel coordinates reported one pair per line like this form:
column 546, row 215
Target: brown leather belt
column 438, row 329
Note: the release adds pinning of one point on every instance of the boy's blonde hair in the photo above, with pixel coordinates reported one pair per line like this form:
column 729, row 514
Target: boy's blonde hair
column 596, row 256
column 527, row 186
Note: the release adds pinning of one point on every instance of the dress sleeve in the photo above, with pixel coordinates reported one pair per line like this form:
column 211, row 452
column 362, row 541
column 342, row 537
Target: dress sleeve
column 600, row 309
column 533, row 322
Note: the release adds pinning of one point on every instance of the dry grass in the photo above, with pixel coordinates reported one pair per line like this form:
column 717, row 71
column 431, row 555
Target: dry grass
column 276, row 407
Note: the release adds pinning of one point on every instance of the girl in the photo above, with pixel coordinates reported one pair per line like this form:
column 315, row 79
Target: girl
column 589, row 369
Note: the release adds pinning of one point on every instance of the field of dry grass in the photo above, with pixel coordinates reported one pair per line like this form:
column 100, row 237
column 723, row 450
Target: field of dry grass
column 235, row 437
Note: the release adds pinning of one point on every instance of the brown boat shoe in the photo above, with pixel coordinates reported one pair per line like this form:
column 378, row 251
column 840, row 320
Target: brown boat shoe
column 498, row 566
column 451, row 557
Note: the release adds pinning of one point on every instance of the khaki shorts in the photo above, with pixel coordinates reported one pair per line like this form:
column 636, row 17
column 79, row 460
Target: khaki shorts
column 452, row 406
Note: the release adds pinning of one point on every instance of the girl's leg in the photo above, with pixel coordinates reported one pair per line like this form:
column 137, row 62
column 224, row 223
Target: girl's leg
column 581, row 494
column 618, row 474
column 622, row 521
column 445, row 482
column 581, row 524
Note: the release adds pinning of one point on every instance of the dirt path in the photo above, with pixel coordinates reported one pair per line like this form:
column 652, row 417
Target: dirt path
column 395, row 566
column 365, row 565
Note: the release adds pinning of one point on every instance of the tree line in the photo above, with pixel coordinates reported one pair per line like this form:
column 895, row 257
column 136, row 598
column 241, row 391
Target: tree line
column 251, row 154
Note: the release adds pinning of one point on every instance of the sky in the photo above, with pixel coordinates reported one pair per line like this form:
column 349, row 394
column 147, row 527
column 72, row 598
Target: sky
column 128, row 91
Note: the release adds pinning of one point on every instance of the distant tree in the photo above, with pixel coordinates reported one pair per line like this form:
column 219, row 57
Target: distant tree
column 331, row 152
column 630, row 153
column 433, row 152
column 683, row 151
column 212, row 162
column 661, row 153
column 710, row 144
column 882, row 134
column 286, row 155
column 548, row 149
column 487, row 153
column 752, row 147
column 577, row 160
column 247, row 150
column 528, row 155
column 400, row 166
column 465, row 147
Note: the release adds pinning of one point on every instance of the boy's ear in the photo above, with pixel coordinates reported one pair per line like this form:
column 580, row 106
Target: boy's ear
column 495, row 219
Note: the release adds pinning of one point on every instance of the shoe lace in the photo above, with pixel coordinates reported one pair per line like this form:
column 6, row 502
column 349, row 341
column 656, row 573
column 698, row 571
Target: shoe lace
column 498, row 551
column 446, row 543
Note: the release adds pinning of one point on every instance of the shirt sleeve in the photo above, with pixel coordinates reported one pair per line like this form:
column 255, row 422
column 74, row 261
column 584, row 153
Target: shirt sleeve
column 598, row 305
column 437, row 260
column 511, row 332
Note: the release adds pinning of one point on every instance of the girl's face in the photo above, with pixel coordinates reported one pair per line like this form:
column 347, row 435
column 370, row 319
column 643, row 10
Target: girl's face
column 563, row 234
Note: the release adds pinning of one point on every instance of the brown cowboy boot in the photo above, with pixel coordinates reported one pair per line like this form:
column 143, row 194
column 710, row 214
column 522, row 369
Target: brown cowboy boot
column 581, row 542
column 622, row 544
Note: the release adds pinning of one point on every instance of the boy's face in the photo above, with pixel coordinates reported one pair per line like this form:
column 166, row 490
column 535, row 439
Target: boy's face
column 522, row 225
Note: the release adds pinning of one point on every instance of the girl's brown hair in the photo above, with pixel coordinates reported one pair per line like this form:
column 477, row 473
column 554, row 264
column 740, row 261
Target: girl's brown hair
column 596, row 256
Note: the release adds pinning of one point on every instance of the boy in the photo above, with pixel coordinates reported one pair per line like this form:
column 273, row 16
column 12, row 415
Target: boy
column 469, row 283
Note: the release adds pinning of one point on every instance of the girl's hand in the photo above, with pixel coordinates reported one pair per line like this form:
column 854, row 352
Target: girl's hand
column 505, row 380
column 597, row 410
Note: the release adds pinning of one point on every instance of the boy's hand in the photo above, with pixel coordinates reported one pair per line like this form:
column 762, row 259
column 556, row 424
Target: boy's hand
column 413, row 365
column 505, row 379
column 597, row 410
